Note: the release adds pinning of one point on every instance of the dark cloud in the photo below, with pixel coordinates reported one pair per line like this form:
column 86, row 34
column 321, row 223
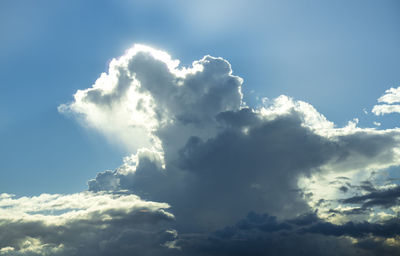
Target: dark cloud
column 262, row 234
column 252, row 164
column 383, row 198
column 353, row 211
column 389, row 229
column 213, row 183
column 367, row 186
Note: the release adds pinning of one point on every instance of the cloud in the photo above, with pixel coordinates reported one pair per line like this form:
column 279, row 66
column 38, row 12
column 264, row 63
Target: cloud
column 362, row 229
column 263, row 234
column 384, row 198
column 145, row 94
column 254, row 163
column 201, row 160
column 212, row 157
column 391, row 96
column 385, row 109
column 85, row 223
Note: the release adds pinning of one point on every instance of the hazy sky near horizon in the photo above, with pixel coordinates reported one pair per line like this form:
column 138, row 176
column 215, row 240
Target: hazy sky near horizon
column 294, row 113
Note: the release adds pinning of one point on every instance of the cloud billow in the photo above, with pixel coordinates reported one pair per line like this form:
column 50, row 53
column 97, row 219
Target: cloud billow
column 201, row 161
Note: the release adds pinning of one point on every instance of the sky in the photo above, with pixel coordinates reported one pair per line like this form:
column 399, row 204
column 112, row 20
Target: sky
column 199, row 127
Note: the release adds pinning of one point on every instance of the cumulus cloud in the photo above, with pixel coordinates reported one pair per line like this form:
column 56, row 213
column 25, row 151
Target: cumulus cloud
column 145, row 94
column 253, row 163
column 200, row 150
column 390, row 97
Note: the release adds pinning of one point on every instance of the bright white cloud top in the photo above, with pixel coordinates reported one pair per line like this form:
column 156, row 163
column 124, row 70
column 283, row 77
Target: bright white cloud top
column 199, row 149
column 145, row 91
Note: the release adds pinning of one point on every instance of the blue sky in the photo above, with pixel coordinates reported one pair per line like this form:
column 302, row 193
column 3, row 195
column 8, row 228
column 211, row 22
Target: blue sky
column 339, row 56
column 96, row 143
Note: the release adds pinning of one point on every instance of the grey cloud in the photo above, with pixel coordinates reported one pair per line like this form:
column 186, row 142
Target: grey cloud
column 363, row 229
column 217, row 181
column 195, row 98
column 100, row 98
column 259, row 244
column 384, row 198
column 213, row 183
column 354, row 211
column 346, row 186
column 104, row 181
column 262, row 234
column 367, row 186
column 199, row 96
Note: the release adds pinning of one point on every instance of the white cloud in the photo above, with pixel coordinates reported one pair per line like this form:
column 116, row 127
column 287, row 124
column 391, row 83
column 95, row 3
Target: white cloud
column 145, row 95
column 391, row 96
column 56, row 209
column 385, row 109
